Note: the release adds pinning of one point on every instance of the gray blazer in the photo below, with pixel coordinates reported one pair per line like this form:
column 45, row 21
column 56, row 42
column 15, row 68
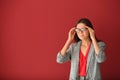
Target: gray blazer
column 93, row 61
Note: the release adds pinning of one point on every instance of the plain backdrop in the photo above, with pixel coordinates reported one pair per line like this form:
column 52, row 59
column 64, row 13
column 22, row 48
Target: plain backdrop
column 32, row 32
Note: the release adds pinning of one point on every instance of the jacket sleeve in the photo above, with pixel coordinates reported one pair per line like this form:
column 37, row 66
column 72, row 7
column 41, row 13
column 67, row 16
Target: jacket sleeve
column 66, row 57
column 101, row 55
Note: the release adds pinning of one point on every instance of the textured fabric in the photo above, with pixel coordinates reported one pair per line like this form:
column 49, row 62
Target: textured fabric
column 81, row 78
column 93, row 61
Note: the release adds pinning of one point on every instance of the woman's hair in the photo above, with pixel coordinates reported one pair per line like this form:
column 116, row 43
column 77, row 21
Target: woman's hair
column 88, row 23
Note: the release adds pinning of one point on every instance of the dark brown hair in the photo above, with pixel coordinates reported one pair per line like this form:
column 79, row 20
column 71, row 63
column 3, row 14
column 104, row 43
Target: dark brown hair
column 88, row 23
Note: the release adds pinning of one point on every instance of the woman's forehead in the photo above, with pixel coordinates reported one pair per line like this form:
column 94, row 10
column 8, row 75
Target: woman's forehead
column 80, row 25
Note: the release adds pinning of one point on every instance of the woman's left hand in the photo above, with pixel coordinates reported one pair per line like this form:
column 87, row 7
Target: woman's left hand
column 92, row 33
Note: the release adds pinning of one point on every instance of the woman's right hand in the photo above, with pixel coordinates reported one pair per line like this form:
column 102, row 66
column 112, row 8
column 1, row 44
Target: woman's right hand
column 71, row 34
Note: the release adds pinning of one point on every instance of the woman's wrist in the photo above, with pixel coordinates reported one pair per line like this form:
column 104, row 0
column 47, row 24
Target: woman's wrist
column 69, row 41
column 93, row 39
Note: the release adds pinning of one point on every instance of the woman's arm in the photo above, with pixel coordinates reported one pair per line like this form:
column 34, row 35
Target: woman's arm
column 69, row 40
column 98, row 46
column 94, row 41
column 64, row 54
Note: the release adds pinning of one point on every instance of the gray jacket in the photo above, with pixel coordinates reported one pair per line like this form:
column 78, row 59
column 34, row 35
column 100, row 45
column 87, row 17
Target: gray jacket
column 93, row 61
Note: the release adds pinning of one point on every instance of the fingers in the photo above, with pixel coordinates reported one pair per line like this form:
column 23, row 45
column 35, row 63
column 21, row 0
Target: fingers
column 71, row 33
column 86, row 26
column 90, row 29
column 72, row 30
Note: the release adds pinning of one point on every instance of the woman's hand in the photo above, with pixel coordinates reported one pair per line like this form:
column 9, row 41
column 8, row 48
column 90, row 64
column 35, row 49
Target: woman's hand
column 71, row 34
column 92, row 33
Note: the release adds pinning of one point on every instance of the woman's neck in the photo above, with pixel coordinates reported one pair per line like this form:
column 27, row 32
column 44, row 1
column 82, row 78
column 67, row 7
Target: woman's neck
column 86, row 42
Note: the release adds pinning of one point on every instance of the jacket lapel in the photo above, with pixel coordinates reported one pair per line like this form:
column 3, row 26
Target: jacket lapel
column 78, row 50
column 89, row 56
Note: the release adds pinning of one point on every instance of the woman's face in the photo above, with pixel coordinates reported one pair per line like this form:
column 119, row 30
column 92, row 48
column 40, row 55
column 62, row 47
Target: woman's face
column 82, row 31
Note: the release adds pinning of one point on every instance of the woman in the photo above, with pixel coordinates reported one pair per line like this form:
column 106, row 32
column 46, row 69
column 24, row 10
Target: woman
column 85, row 54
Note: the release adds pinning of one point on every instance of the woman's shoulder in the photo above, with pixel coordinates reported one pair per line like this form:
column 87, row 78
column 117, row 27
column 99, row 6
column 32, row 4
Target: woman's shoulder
column 101, row 43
